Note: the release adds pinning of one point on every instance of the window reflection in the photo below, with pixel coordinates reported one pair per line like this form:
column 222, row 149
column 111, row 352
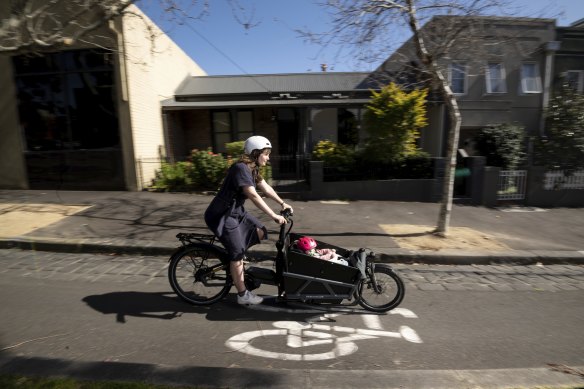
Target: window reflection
column 67, row 101
column 69, row 121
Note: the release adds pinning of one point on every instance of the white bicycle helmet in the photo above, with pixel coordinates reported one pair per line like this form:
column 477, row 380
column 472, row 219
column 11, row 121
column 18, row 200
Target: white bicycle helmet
column 256, row 143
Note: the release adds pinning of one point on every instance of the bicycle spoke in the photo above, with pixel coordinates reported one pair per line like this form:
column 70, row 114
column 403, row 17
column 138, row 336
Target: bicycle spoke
column 198, row 276
column 384, row 290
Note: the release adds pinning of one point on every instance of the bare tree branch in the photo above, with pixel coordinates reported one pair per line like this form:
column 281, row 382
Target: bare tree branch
column 34, row 25
column 30, row 26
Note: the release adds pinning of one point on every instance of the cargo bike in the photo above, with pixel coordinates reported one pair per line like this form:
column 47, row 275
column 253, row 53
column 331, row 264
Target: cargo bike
column 199, row 274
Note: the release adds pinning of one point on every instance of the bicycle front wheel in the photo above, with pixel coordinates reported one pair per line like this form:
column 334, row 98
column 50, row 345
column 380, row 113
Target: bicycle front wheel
column 197, row 274
column 388, row 292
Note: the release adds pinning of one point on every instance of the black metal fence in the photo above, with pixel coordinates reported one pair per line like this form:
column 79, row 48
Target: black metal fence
column 415, row 168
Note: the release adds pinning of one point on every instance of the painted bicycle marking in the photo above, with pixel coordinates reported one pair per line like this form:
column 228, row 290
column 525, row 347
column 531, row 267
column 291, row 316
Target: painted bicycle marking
column 313, row 333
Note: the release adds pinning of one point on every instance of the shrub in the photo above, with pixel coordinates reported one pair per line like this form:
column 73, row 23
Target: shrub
column 344, row 164
column 563, row 145
column 203, row 170
column 235, row 149
column 208, row 169
column 333, row 154
column 414, row 166
column 173, row 177
column 502, row 145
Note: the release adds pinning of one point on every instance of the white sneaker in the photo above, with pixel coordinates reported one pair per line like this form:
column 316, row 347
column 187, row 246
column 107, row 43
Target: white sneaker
column 249, row 299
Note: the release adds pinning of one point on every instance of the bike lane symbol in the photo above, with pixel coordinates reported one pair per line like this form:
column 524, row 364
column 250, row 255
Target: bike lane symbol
column 313, row 332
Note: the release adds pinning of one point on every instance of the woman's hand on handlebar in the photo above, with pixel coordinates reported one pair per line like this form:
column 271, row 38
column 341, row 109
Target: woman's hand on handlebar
column 286, row 212
column 286, row 207
column 279, row 219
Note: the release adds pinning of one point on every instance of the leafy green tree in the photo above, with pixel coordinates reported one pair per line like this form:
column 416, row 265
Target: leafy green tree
column 393, row 118
column 503, row 145
column 563, row 145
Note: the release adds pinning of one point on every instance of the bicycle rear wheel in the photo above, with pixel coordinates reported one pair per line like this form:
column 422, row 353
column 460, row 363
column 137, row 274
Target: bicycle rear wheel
column 197, row 274
column 388, row 294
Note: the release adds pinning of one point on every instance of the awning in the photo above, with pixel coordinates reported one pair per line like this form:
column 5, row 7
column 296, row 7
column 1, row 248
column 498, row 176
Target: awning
column 172, row 104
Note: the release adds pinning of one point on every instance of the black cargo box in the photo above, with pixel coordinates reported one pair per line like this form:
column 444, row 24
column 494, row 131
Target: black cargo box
column 310, row 278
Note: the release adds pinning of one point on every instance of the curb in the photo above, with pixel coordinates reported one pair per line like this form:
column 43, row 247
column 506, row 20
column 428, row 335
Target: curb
column 283, row 378
column 89, row 246
column 385, row 255
column 511, row 257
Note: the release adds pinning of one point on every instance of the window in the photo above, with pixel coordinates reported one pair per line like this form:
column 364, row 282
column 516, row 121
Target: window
column 66, row 100
column 495, row 77
column 221, row 130
column 68, row 114
column 458, row 77
column 224, row 131
column 575, row 79
column 244, row 125
column 530, row 80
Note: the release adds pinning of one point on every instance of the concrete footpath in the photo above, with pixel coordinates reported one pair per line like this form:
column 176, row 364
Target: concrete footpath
column 147, row 223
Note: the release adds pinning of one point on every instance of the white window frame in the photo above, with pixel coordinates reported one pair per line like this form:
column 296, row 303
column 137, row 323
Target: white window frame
column 579, row 79
column 502, row 80
column 464, row 67
column 536, row 79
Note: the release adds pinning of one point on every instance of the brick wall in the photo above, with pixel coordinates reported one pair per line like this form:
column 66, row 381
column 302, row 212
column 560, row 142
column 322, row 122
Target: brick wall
column 155, row 67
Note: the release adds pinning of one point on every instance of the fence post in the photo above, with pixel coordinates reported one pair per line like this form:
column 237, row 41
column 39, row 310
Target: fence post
column 534, row 185
column 490, row 186
column 316, row 172
column 439, row 171
column 140, row 181
column 477, row 168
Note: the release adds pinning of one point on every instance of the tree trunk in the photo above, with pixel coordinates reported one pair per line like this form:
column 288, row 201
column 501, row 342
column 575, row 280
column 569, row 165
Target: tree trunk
column 450, row 169
column 455, row 121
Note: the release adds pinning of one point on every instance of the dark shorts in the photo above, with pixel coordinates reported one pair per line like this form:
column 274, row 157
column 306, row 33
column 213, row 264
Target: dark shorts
column 239, row 234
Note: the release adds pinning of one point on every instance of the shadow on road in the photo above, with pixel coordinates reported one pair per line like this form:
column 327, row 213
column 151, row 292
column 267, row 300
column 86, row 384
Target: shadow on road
column 166, row 306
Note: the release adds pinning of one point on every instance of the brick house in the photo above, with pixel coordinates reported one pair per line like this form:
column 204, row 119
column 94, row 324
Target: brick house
column 80, row 117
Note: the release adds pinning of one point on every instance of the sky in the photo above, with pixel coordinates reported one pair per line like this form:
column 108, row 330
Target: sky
column 221, row 45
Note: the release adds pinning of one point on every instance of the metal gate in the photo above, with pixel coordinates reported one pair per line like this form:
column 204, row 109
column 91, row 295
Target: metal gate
column 512, row 185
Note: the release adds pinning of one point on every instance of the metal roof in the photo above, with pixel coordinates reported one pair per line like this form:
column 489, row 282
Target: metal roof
column 172, row 104
column 274, row 83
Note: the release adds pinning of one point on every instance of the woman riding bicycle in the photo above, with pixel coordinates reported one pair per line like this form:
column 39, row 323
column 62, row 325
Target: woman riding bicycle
column 228, row 219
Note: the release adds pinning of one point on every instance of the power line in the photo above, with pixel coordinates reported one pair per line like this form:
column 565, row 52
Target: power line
column 226, row 56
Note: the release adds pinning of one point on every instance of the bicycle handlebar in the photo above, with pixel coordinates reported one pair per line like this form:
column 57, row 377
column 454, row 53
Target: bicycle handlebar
column 287, row 213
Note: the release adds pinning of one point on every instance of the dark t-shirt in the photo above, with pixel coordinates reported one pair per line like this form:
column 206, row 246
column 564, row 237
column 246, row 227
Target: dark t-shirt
column 230, row 199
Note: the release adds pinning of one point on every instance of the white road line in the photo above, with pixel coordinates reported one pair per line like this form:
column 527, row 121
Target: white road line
column 404, row 312
column 372, row 321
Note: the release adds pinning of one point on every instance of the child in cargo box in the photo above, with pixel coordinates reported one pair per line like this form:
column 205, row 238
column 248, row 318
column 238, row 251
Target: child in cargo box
column 308, row 246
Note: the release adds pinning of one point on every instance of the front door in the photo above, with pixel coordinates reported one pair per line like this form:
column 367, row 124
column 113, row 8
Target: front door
column 288, row 136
